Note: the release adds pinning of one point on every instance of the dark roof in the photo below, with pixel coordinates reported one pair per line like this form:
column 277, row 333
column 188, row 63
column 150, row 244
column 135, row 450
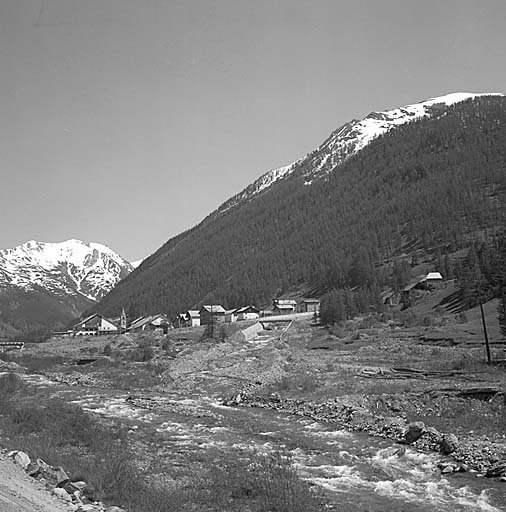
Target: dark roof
column 214, row 308
column 246, row 308
column 145, row 320
column 88, row 318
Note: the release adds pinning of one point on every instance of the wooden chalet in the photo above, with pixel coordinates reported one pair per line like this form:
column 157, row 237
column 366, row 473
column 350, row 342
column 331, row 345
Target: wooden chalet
column 431, row 280
column 310, row 306
column 284, row 306
column 247, row 313
column 153, row 323
column 210, row 313
column 192, row 318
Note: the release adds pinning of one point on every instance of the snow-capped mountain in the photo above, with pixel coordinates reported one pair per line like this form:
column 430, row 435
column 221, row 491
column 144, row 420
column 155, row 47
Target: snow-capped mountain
column 348, row 140
column 67, row 268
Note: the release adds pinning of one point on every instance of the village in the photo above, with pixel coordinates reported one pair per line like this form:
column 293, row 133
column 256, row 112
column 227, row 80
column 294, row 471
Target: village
column 210, row 314
column 97, row 324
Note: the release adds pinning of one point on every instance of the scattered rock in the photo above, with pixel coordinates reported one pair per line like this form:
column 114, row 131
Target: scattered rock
column 449, row 443
column 54, row 475
column 20, row 458
column 497, row 470
column 80, row 484
column 414, row 431
column 70, row 487
column 394, row 451
column 88, row 508
column 447, row 468
column 62, row 494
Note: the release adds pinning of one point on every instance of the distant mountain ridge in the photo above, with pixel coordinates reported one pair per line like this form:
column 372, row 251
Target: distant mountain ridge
column 69, row 267
column 65, row 276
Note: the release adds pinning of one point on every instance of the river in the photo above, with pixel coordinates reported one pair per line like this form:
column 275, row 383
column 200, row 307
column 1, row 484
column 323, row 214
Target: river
column 357, row 471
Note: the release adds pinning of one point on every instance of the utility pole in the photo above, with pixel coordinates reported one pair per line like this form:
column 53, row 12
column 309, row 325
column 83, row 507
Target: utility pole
column 487, row 344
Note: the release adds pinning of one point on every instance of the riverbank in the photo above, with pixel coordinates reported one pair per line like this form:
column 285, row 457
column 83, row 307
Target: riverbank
column 470, row 452
column 365, row 377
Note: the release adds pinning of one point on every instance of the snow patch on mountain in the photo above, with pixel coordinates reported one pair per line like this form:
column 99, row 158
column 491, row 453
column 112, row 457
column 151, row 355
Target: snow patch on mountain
column 136, row 263
column 348, row 140
column 65, row 268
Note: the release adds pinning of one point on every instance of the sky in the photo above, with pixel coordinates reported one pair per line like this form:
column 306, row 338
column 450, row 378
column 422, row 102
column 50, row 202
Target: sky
column 125, row 122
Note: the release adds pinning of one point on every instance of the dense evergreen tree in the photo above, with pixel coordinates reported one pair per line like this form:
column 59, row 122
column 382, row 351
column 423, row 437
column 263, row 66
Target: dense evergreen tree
column 428, row 186
column 332, row 308
column 401, row 273
column 482, row 274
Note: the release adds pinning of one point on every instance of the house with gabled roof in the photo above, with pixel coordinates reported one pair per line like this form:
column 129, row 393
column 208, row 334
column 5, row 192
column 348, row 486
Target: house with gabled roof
column 192, row 318
column 284, row 306
column 152, row 323
column 95, row 325
column 247, row 313
column 310, row 306
column 210, row 313
column 432, row 280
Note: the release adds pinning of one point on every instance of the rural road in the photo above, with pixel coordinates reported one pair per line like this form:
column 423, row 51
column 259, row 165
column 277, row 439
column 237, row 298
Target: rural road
column 20, row 493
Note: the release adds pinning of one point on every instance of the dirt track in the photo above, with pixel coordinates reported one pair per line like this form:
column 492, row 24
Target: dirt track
column 20, row 493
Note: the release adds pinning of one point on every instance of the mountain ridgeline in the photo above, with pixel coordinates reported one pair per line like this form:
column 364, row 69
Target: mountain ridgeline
column 44, row 286
column 430, row 184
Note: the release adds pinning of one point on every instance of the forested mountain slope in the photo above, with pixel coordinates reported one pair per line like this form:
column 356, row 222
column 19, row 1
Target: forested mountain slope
column 430, row 183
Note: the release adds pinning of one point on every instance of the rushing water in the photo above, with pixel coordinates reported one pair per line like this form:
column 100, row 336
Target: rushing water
column 359, row 472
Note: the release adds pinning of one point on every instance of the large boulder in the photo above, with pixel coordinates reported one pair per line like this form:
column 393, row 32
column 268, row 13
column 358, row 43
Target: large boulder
column 414, row 431
column 449, row 443
column 55, row 475
column 20, row 458
column 62, row 494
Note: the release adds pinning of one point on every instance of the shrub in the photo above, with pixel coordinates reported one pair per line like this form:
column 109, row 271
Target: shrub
column 147, row 351
column 10, row 383
column 263, row 482
column 369, row 322
column 338, row 330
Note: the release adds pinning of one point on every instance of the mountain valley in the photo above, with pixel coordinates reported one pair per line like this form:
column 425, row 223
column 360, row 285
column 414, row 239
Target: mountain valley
column 45, row 285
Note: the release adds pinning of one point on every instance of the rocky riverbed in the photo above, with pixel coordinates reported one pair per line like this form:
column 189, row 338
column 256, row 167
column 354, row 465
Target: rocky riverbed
column 467, row 452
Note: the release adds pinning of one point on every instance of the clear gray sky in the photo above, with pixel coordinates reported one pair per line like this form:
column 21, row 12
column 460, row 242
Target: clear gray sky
column 127, row 121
